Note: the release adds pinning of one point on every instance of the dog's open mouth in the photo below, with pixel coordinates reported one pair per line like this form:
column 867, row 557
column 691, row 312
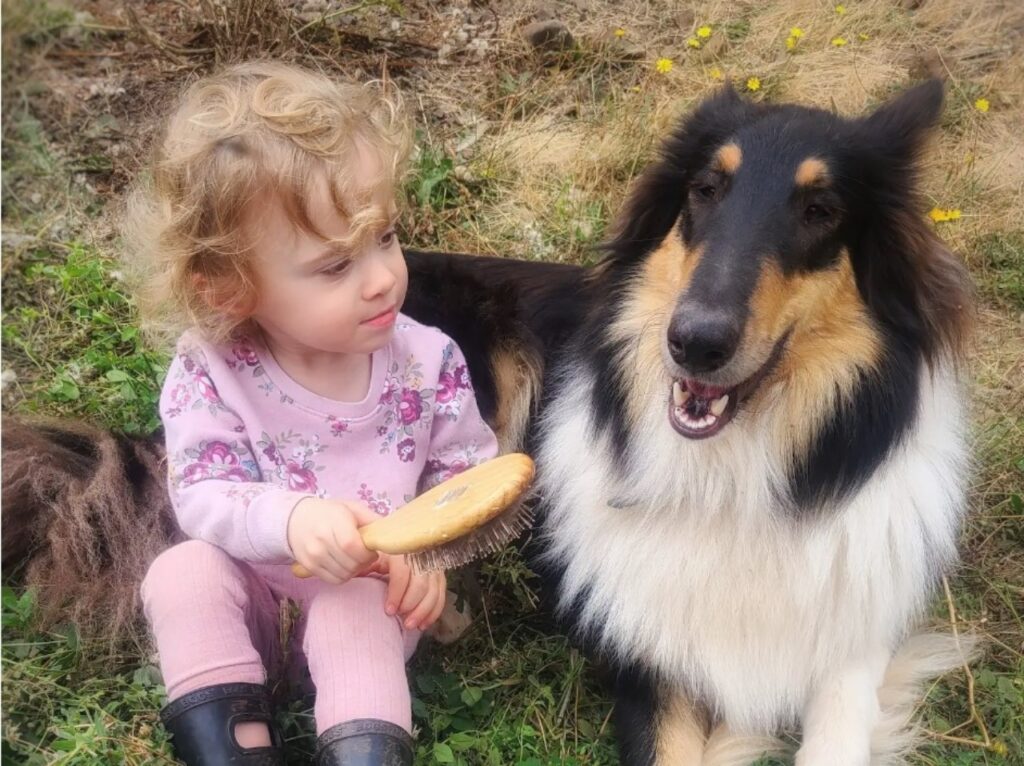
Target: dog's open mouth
column 698, row 410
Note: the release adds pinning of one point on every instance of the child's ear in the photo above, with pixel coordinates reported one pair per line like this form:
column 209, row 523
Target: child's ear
column 220, row 296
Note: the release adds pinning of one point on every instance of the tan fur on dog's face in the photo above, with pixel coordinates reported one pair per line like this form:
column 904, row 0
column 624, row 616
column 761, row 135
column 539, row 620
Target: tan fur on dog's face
column 831, row 335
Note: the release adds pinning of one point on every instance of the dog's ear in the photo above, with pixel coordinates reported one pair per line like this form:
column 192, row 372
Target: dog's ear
column 911, row 281
column 901, row 125
column 658, row 195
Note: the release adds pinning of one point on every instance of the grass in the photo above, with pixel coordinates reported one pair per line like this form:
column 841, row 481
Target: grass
column 518, row 155
column 70, row 303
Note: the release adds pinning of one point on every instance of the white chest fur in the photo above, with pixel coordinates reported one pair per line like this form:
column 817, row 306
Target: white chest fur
column 701, row 577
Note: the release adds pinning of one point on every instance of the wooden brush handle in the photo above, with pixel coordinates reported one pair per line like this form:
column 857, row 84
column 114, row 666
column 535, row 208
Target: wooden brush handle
column 449, row 511
column 300, row 571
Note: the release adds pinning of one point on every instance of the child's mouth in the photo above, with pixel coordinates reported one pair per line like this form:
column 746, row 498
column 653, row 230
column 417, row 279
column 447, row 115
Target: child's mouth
column 382, row 319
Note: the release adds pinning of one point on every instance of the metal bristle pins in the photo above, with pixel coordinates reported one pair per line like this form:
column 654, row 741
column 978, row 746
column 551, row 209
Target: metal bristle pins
column 487, row 539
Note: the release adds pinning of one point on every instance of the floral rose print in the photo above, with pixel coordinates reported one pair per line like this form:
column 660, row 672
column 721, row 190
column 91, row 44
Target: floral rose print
column 272, row 454
column 407, row 450
column 450, row 383
column 453, row 385
column 338, row 427
column 300, row 478
column 219, row 452
column 245, row 357
column 297, row 472
column 205, row 388
column 190, row 389
column 446, row 463
column 252, row 444
column 377, row 502
column 391, row 386
column 410, row 411
column 180, row 396
column 410, row 406
column 215, row 459
column 244, row 354
column 446, row 388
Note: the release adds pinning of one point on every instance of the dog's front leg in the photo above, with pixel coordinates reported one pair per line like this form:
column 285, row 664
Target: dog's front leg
column 841, row 714
column 656, row 725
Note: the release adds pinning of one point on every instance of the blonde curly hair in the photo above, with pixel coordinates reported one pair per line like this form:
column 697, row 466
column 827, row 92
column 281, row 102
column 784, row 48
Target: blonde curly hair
column 234, row 136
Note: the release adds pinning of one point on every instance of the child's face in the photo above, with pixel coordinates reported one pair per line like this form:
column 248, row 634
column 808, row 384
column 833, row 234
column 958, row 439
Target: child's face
column 313, row 298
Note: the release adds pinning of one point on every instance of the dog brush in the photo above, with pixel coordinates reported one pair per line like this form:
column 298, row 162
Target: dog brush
column 468, row 516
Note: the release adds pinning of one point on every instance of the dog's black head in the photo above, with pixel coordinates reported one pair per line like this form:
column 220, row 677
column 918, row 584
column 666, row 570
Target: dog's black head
column 783, row 241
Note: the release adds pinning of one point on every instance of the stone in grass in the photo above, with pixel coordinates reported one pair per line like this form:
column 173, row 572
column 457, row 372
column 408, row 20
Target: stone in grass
column 617, row 49
column 713, row 48
column 926, row 64
column 551, row 36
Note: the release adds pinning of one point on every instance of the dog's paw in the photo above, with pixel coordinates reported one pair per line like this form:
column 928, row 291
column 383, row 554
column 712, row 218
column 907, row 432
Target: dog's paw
column 832, row 754
column 452, row 623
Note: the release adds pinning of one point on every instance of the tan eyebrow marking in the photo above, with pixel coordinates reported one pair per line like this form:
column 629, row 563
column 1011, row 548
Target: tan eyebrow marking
column 812, row 171
column 729, row 158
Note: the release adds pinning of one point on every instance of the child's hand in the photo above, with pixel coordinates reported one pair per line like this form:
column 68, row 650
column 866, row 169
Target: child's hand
column 418, row 598
column 324, row 538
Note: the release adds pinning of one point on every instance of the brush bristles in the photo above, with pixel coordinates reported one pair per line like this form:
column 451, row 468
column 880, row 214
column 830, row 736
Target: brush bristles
column 483, row 541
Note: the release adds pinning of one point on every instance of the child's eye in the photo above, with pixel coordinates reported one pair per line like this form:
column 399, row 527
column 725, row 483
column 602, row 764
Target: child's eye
column 337, row 268
column 387, row 239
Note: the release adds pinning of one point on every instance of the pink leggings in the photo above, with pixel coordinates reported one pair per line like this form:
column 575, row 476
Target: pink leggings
column 217, row 620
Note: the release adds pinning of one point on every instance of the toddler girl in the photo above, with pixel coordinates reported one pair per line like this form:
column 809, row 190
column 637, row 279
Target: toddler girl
column 300, row 405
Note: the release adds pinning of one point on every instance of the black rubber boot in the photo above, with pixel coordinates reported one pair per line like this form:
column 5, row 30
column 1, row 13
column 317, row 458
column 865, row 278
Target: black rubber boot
column 202, row 725
column 364, row 742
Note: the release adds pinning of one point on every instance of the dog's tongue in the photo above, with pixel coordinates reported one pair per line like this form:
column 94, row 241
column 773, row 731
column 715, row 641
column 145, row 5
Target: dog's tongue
column 702, row 391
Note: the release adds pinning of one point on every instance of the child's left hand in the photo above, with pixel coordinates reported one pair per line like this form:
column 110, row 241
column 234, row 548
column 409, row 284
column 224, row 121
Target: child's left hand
column 418, row 598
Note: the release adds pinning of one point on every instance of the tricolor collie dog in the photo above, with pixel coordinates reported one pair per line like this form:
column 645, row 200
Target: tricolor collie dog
column 748, row 426
column 750, row 443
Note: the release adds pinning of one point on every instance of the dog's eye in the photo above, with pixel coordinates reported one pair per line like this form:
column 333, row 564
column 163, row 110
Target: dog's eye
column 816, row 213
column 707, row 191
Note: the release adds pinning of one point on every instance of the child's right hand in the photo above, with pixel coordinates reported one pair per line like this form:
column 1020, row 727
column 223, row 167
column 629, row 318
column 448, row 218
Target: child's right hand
column 324, row 538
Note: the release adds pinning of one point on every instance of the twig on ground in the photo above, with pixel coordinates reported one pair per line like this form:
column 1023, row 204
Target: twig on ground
column 975, row 715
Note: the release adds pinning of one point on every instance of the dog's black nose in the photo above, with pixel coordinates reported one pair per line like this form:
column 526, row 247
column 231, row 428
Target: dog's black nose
column 702, row 341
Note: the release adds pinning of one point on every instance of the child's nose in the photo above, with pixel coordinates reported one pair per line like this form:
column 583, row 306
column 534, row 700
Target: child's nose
column 380, row 280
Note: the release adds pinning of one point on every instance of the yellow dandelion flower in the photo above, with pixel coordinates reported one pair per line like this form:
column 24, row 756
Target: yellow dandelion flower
column 1000, row 748
column 862, row 36
column 716, row 73
column 841, row 9
column 940, row 215
column 620, row 32
column 753, row 83
column 704, row 31
column 693, row 42
column 839, row 42
column 790, row 43
column 796, row 32
column 663, row 65
column 981, row 105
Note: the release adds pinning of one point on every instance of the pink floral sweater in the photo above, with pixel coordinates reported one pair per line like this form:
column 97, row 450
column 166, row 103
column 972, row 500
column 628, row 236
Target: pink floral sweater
column 245, row 442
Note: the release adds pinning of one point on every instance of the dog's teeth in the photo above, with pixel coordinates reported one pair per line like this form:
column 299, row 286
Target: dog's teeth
column 679, row 397
column 718, row 406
